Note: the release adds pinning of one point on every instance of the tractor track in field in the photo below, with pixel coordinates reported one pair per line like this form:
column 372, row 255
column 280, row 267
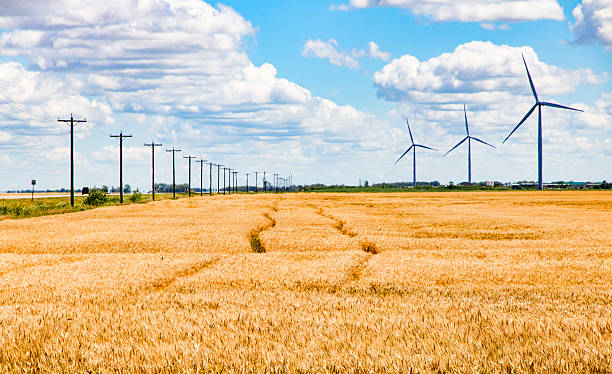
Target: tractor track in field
column 45, row 262
column 338, row 223
column 355, row 271
column 164, row 283
column 254, row 239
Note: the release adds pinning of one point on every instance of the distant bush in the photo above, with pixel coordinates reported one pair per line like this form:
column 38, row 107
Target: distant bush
column 96, row 198
column 136, row 197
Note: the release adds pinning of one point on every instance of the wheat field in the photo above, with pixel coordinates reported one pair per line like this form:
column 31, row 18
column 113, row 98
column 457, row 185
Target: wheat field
column 407, row 282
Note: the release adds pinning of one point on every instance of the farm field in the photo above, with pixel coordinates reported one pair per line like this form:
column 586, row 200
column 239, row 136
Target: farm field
column 428, row 282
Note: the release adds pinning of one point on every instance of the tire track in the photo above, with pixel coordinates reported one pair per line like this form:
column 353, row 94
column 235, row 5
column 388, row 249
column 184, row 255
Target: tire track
column 254, row 239
column 45, row 262
column 338, row 224
column 162, row 284
column 354, row 273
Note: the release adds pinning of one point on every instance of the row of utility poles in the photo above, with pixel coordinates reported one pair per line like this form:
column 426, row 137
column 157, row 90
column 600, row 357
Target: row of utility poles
column 232, row 173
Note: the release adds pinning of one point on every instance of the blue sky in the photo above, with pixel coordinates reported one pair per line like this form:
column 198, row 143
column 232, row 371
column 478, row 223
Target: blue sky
column 295, row 88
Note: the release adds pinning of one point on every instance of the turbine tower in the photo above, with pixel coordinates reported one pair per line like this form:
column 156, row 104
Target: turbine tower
column 469, row 138
column 413, row 147
column 539, row 104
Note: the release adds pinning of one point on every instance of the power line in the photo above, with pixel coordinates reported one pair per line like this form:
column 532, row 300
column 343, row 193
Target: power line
column 4, row 98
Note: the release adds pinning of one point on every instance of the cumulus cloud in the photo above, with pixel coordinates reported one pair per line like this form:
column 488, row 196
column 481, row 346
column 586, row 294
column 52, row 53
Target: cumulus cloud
column 480, row 72
column 593, row 22
column 491, row 80
column 31, row 103
column 330, row 50
column 470, row 10
column 173, row 70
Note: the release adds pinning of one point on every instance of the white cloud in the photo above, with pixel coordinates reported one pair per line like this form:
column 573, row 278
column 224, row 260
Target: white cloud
column 470, row 10
column 375, row 52
column 593, row 22
column 492, row 26
column 329, row 50
column 480, row 72
column 491, row 80
column 172, row 70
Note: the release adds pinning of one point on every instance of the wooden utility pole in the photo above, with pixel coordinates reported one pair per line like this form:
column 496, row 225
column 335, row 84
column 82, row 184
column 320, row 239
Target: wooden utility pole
column 173, row 171
column 247, row 182
column 210, row 165
column 224, row 169
column 121, row 136
column 72, row 121
column 218, row 177
column 189, row 158
column 202, row 162
column 153, row 145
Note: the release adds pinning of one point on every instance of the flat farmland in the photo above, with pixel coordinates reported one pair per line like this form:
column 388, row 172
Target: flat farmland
column 423, row 282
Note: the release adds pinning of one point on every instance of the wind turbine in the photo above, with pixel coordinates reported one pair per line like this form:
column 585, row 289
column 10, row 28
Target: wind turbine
column 539, row 104
column 469, row 138
column 413, row 147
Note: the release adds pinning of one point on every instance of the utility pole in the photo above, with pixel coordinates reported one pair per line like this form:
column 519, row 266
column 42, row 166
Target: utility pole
column 189, row 158
column 121, row 136
column 264, row 181
column 224, row 180
column 173, row 171
column 276, row 182
column 218, row 177
column 210, row 165
column 256, row 191
column 72, row 121
column 153, row 145
column 235, row 181
column 247, row 182
column 230, row 185
column 202, row 162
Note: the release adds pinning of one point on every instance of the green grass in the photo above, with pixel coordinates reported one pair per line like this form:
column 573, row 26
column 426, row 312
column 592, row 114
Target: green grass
column 25, row 208
column 407, row 189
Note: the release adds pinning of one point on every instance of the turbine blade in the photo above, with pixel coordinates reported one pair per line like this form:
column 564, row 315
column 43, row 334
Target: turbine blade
column 422, row 146
column 482, row 141
column 523, row 120
column 409, row 131
column 467, row 130
column 458, row 144
column 403, row 154
column 535, row 94
column 559, row 106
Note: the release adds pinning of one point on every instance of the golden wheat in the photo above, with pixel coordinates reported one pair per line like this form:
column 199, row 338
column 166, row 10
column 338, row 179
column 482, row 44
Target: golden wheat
column 432, row 282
